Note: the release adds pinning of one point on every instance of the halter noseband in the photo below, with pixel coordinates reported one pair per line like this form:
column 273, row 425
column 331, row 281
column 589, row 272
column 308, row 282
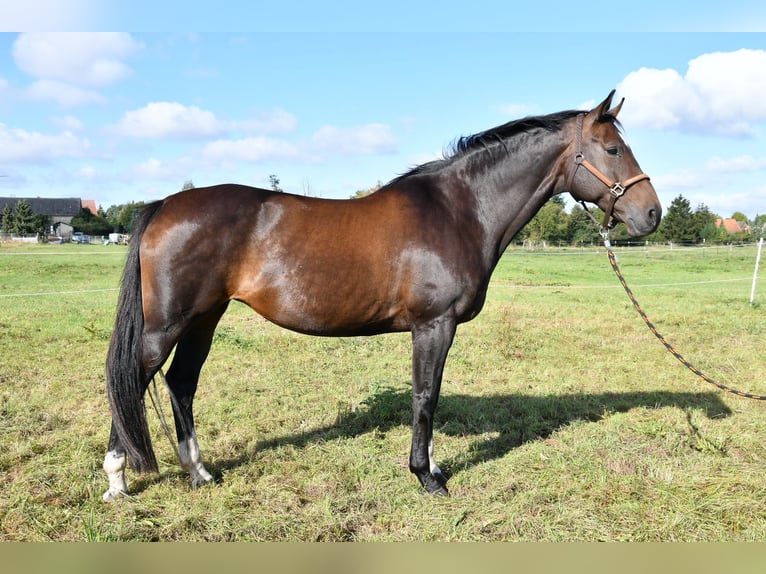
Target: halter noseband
column 616, row 188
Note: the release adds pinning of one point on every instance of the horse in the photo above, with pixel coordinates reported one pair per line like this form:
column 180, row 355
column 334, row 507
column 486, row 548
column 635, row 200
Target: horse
column 417, row 255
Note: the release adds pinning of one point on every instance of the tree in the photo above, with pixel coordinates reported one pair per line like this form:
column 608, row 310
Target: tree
column 678, row 223
column 704, row 223
column 188, row 184
column 21, row 220
column 365, row 192
column 759, row 225
column 91, row 224
column 580, row 227
column 739, row 216
column 549, row 224
column 274, row 183
column 123, row 217
column 24, row 221
column 7, row 219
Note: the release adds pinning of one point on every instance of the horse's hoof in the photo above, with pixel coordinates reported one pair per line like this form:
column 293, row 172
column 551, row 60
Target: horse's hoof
column 441, row 491
column 200, row 482
column 440, row 478
column 112, row 495
column 435, row 485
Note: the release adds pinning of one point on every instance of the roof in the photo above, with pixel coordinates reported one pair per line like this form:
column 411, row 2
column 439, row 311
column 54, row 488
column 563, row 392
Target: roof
column 61, row 207
column 731, row 225
column 91, row 205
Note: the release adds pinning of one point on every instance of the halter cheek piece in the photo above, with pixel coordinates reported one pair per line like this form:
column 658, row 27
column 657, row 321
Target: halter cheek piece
column 616, row 188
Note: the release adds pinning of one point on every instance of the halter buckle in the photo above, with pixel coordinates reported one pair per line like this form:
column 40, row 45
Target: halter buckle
column 617, row 189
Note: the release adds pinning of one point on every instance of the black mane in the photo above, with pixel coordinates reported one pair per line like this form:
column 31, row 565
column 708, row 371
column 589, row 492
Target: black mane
column 551, row 122
column 496, row 136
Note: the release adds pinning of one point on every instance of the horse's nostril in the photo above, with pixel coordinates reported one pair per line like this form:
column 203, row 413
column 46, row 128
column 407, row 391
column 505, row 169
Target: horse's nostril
column 653, row 215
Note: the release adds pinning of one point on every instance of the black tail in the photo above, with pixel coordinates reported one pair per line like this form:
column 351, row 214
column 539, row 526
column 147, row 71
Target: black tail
column 126, row 380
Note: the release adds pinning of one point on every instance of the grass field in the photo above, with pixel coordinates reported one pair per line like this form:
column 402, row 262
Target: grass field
column 561, row 418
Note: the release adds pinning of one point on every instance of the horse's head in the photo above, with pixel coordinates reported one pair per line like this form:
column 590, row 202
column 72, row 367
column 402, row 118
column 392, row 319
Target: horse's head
column 603, row 171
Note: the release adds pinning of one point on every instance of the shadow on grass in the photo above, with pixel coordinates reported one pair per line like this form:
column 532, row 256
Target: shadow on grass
column 514, row 419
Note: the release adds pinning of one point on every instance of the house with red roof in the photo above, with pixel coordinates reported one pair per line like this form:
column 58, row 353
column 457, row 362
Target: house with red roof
column 90, row 205
column 732, row 226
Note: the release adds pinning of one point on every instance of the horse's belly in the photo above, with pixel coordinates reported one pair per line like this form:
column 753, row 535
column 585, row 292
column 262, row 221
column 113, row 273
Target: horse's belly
column 330, row 306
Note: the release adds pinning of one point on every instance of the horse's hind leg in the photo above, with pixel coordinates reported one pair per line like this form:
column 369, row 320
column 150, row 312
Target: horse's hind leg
column 115, row 463
column 116, row 459
column 182, row 379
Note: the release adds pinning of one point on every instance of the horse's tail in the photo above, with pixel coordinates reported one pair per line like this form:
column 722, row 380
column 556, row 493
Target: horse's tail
column 125, row 377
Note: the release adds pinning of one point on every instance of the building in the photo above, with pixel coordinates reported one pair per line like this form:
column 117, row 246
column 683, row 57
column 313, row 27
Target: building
column 60, row 210
column 90, row 205
column 732, row 225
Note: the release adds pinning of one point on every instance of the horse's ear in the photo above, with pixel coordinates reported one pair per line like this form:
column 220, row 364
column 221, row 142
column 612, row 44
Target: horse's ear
column 602, row 110
column 616, row 109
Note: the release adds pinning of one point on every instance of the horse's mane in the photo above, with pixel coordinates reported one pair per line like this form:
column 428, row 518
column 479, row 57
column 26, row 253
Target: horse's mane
column 497, row 136
column 551, row 122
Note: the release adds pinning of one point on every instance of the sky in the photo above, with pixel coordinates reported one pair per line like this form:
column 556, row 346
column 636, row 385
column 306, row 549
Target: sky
column 336, row 97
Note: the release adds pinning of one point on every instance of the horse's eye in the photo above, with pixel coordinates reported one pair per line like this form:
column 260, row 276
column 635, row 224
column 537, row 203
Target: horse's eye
column 613, row 150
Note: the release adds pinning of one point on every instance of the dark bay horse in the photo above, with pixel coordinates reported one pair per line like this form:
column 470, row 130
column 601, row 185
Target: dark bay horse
column 415, row 256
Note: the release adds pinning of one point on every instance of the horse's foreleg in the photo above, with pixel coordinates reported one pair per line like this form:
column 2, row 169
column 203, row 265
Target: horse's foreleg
column 430, row 344
column 182, row 379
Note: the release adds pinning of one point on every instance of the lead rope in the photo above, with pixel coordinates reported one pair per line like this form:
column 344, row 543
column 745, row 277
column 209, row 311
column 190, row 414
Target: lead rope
column 157, row 404
column 613, row 261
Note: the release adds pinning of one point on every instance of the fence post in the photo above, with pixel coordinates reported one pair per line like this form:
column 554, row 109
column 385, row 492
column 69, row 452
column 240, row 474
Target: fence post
column 755, row 273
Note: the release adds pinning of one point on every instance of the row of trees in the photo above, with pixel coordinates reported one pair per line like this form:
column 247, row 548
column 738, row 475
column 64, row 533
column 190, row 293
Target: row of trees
column 680, row 224
column 21, row 220
column 552, row 224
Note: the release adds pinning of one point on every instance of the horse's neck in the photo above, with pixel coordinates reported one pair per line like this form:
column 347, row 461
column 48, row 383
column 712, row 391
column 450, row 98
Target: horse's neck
column 510, row 191
column 540, row 195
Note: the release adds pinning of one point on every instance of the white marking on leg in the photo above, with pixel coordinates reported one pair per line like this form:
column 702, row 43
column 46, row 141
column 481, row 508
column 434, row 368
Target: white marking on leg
column 434, row 468
column 188, row 451
column 114, row 466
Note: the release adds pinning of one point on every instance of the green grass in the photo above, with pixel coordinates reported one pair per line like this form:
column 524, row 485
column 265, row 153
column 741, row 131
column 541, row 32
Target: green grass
column 561, row 418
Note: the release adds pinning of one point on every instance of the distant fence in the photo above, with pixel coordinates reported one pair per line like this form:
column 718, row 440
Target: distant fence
column 634, row 246
column 37, row 238
column 12, row 238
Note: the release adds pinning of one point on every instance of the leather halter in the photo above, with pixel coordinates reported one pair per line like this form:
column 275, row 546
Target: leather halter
column 616, row 189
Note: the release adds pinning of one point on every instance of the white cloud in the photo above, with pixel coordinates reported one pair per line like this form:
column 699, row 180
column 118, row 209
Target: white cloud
column 87, row 172
column 276, row 121
column 725, row 185
column 736, row 164
column 69, row 123
column 175, row 120
column 753, row 201
column 168, row 120
column 93, row 59
column 680, row 180
column 66, row 95
column 326, row 142
column 719, row 94
column 717, row 171
column 18, row 145
column 360, row 140
column 252, row 149
column 155, row 169
column 515, row 110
